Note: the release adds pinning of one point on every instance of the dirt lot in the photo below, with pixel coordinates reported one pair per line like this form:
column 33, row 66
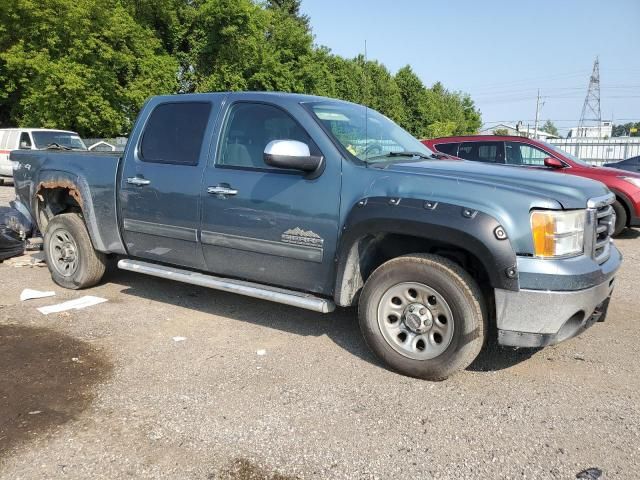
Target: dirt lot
column 106, row 392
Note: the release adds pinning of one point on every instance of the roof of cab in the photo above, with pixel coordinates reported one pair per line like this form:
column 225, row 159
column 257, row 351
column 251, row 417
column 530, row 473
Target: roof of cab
column 296, row 97
column 36, row 130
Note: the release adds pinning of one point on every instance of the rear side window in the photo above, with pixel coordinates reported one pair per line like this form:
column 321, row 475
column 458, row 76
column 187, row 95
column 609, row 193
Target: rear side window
column 490, row 152
column 12, row 140
column 448, row 148
column 174, row 133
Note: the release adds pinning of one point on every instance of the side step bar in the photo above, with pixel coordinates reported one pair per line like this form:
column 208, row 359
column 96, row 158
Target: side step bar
column 249, row 289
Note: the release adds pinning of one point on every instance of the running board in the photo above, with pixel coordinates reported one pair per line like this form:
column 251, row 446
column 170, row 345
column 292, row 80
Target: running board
column 249, row 289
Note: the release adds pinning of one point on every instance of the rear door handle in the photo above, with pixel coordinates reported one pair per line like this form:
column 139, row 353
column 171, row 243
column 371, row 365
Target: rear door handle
column 222, row 190
column 138, row 181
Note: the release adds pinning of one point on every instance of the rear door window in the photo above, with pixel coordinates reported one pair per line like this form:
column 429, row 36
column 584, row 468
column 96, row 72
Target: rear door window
column 174, row 133
column 447, row 148
column 488, row 152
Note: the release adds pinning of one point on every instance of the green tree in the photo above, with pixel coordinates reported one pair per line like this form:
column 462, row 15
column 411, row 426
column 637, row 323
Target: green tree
column 238, row 45
column 625, row 129
column 414, row 99
column 291, row 8
column 90, row 70
column 549, row 127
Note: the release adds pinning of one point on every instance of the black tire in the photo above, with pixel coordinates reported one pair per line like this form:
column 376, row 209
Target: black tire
column 11, row 245
column 454, row 285
column 621, row 218
column 69, row 232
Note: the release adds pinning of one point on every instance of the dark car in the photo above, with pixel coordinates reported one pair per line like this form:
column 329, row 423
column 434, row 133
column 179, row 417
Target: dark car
column 630, row 164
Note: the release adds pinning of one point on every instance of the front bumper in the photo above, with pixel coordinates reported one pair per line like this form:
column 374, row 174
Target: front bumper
column 537, row 317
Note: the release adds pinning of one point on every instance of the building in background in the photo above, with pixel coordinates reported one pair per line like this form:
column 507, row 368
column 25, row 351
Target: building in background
column 518, row 130
column 604, row 130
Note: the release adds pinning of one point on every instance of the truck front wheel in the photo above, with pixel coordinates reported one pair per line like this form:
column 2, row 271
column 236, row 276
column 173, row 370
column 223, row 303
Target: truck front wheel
column 423, row 315
column 71, row 259
column 621, row 218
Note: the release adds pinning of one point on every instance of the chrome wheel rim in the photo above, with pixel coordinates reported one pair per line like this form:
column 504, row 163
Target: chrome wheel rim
column 63, row 252
column 415, row 320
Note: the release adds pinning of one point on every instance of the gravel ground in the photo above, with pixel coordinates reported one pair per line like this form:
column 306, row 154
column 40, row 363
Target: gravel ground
column 118, row 397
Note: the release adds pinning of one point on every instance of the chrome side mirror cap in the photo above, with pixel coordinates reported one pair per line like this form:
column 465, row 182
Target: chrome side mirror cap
column 291, row 154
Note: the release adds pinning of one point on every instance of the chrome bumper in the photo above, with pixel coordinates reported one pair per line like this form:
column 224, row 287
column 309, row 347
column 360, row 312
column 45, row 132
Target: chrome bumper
column 536, row 318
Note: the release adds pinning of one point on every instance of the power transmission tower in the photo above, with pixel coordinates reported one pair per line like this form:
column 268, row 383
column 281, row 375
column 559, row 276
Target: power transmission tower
column 591, row 107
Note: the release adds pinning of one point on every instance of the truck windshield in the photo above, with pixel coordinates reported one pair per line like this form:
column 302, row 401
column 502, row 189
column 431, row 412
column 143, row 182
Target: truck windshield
column 43, row 139
column 367, row 134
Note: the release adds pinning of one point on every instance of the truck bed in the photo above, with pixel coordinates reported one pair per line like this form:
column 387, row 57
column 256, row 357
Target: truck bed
column 92, row 176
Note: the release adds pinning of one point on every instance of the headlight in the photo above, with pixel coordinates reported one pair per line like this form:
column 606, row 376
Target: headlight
column 558, row 233
column 634, row 180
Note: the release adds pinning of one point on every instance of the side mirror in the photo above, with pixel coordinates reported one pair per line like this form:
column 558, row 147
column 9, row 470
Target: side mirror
column 553, row 163
column 291, row 154
column 24, row 146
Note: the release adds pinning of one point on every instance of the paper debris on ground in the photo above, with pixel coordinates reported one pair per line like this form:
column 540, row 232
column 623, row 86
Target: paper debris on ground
column 179, row 339
column 31, row 260
column 261, row 352
column 35, row 412
column 76, row 304
column 28, row 294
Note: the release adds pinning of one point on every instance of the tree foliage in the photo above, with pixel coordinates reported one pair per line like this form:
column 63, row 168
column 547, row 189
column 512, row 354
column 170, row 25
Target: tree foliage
column 625, row 130
column 82, row 64
column 88, row 65
column 550, row 127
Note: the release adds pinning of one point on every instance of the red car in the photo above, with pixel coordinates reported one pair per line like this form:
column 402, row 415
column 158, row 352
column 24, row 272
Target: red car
column 526, row 152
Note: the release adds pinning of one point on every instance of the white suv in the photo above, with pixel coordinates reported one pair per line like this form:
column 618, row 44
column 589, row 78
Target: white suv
column 33, row 139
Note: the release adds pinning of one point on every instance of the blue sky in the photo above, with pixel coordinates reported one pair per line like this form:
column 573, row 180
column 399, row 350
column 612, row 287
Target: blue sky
column 499, row 51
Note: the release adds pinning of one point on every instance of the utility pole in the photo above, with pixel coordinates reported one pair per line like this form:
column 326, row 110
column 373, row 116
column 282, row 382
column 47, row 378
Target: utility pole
column 535, row 128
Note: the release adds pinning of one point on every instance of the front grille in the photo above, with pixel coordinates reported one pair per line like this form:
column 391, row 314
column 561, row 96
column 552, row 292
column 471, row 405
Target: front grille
column 604, row 220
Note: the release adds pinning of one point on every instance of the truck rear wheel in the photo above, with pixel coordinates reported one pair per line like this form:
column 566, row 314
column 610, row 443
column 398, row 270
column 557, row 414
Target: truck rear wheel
column 71, row 258
column 423, row 315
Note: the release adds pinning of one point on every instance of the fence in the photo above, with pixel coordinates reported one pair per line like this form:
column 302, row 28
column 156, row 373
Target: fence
column 598, row 151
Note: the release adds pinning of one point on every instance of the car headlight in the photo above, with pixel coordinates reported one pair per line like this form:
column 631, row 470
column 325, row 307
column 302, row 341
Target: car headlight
column 633, row 180
column 558, row 233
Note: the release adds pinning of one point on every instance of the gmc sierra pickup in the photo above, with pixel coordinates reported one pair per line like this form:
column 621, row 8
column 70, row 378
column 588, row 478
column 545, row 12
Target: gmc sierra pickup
column 315, row 202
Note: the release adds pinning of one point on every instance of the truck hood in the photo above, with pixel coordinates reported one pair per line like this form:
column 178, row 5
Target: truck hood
column 568, row 190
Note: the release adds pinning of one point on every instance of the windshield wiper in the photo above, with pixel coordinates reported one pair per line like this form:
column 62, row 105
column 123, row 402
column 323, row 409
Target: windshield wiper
column 409, row 154
column 57, row 146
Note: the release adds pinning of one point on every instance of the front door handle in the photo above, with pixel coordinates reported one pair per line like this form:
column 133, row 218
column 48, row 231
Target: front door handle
column 222, row 190
column 138, row 181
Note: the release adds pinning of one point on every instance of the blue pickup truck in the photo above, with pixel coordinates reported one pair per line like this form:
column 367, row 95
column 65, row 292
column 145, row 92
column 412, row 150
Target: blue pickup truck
column 315, row 202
